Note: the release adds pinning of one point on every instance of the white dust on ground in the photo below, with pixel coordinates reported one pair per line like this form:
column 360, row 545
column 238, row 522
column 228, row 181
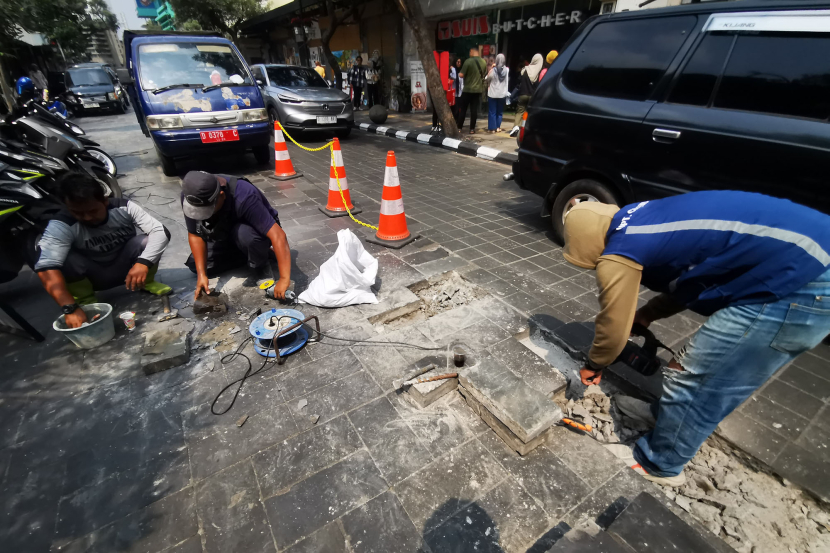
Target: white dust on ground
column 752, row 511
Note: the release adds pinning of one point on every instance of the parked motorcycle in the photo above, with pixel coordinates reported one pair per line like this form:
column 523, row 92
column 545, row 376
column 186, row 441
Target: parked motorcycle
column 28, row 200
column 52, row 116
column 30, row 132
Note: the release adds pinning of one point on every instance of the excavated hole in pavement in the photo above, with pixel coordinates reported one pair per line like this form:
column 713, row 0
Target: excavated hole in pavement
column 751, row 510
column 450, row 291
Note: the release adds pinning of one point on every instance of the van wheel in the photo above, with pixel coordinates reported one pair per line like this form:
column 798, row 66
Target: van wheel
column 262, row 154
column 168, row 164
column 583, row 190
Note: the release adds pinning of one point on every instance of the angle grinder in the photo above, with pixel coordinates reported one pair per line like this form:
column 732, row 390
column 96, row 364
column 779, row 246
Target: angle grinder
column 642, row 359
column 268, row 287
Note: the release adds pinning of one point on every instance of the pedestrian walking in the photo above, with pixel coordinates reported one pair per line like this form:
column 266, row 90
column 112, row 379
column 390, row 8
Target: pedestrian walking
column 552, row 55
column 318, row 67
column 473, row 73
column 757, row 266
column 497, row 80
column 528, row 81
column 458, row 85
column 357, row 81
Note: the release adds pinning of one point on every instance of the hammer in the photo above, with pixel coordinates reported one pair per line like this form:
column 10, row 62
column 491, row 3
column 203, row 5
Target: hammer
column 168, row 313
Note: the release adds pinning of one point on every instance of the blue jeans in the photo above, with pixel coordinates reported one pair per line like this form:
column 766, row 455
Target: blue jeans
column 496, row 106
column 730, row 357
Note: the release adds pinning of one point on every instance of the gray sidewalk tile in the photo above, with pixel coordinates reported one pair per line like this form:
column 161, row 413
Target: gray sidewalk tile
column 323, row 497
column 231, row 514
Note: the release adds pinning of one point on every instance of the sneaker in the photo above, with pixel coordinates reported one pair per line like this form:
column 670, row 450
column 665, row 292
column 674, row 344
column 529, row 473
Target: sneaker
column 514, row 131
column 624, row 453
column 636, row 409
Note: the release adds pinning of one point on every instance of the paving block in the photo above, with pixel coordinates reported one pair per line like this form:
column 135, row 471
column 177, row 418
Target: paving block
column 646, row 525
column 392, row 305
column 503, row 432
column 212, row 306
column 165, row 349
column 524, row 410
column 428, row 392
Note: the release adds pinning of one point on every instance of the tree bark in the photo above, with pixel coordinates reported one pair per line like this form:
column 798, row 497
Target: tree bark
column 335, row 21
column 414, row 16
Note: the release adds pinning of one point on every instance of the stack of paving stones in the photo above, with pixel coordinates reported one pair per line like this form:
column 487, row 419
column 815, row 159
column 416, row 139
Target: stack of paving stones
column 521, row 415
column 97, row 456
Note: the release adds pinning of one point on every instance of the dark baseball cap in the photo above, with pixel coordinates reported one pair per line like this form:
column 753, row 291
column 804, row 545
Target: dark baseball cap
column 200, row 190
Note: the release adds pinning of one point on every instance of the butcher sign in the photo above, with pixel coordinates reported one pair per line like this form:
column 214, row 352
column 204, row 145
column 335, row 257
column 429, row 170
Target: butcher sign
column 480, row 24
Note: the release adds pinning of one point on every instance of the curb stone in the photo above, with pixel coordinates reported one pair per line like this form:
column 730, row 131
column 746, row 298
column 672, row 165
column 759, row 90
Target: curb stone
column 459, row 146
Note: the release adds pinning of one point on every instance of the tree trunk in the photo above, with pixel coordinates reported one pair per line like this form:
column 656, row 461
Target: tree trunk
column 414, row 16
column 7, row 93
column 325, row 39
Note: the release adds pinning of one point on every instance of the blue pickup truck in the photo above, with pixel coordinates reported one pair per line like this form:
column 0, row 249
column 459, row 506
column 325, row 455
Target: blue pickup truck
column 195, row 96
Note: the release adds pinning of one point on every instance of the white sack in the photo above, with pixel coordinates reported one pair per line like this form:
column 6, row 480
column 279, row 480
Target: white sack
column 346, row 277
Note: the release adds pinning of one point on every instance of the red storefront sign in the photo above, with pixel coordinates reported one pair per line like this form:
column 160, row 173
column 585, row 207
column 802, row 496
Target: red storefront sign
column 476, row 25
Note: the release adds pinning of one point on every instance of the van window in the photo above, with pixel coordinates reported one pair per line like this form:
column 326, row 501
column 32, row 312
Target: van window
column 697, row 82
column 171, row 64
column 626, row 59
column 781, row 73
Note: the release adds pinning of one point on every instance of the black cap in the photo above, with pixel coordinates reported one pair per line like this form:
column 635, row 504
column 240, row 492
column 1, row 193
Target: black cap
column 201, row 190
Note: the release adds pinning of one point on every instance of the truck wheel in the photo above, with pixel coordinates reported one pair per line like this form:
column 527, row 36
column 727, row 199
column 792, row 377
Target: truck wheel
column 262, row 154
column 583, row 190
column 168, row 164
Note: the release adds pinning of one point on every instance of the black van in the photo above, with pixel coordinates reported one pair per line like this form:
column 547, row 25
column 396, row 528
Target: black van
column 94, row 86
column 651, row 103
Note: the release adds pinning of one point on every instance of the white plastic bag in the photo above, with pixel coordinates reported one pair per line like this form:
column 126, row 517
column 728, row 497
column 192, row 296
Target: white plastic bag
column 346, row 277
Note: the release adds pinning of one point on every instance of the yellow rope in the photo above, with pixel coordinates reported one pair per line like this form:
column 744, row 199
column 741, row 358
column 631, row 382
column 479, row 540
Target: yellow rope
column 330, row 146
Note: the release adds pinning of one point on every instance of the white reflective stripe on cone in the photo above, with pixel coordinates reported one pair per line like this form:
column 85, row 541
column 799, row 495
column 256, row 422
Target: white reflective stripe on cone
column 391, row 207
column 343, row 184
column 338, row 158
column 278, row 137
column 391, row 177
column 281, row 155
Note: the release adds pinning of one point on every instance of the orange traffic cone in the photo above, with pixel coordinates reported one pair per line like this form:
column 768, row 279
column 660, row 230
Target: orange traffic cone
column 283, row 168
column 392, row 231
column 335, row 207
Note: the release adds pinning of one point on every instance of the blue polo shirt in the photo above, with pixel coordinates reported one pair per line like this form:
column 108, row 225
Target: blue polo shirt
column 715, row 249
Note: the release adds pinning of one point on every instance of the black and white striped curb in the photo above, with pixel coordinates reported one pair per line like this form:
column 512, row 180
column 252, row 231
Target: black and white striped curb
column 466, row 148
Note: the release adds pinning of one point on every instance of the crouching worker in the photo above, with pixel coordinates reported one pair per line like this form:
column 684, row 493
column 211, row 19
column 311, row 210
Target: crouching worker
column 93, row 245
column 230, row 224
column 756, row 265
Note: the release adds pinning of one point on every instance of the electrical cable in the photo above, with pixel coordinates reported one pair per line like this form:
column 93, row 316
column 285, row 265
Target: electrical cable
column 273, row 343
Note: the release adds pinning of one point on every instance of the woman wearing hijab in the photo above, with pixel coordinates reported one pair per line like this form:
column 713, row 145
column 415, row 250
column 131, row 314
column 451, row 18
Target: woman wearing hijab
column 496, row 93
column 527, row 86
column 549, row 59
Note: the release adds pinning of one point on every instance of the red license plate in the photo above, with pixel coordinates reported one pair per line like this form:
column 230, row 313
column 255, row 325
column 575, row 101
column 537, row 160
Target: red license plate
column 219, row 136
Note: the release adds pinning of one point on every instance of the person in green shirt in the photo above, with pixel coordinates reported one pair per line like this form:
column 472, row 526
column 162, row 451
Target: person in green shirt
column 473, row 74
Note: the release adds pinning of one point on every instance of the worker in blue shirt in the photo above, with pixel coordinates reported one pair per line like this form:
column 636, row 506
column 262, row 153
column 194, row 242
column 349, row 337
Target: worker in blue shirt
column 756, row 265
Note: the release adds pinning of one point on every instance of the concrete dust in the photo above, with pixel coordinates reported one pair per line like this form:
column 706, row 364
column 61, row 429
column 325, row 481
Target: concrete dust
column 219, row 337
column 752, row 511
column 446, row 294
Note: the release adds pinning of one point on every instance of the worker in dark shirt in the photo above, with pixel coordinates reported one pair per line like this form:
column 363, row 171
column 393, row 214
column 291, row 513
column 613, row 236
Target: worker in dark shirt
column 230, row 223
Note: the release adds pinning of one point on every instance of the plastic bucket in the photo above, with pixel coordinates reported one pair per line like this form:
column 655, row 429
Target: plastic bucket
column 95, row 333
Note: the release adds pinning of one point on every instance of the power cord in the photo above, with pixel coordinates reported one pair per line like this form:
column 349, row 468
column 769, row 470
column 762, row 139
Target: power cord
column 273, row 344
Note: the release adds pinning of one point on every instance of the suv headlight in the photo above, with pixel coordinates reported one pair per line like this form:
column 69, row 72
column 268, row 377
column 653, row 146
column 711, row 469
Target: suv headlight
column 254, row 115
column 288, row 99
column 164, row 122
column 112, row 96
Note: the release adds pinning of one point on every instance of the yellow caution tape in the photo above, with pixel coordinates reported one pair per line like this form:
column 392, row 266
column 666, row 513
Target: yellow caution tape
column 330, row 146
